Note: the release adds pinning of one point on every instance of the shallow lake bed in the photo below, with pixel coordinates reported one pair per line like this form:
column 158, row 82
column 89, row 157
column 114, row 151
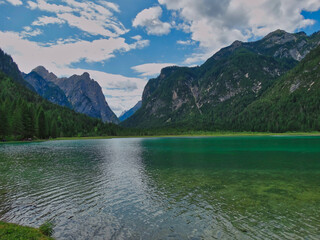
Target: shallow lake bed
column 165, row 188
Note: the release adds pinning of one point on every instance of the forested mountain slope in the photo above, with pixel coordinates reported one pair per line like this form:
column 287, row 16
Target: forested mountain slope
column 10, row 68
column 209, row 96
column 25, row 114
column 292, row 104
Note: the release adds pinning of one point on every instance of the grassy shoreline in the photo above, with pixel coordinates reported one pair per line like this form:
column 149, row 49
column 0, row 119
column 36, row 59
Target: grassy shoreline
column 188, row 134
column 12, row 231
column 198, row 134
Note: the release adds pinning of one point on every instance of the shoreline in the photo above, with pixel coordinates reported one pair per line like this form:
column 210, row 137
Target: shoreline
column 209, row 134
column 12, row 231
column 193, row 134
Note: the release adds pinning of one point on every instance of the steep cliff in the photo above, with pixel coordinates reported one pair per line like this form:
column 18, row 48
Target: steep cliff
column 47, row 89
column 210, row 95
column 84, row 94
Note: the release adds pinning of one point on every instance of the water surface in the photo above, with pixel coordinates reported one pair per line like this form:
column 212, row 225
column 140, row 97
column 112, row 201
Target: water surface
column 165, row 188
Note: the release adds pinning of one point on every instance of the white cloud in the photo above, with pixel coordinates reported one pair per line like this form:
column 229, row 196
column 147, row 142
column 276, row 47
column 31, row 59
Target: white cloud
column 31, row 33
column 123, row 92
column 29, row 54
column 110, row 5
column 150, row 19
column 49, row 7
column 151, row 69
column 137, row 37
column 187, row 42
column 92, row 18
column 15, row 2
column 215, row 23
column 91, row 26
column 45, row 20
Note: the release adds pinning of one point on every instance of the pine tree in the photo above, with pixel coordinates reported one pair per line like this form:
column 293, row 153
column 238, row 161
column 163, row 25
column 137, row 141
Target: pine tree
column 53, row 129
column 41, row 124
column 3, row 124
column 27, row 119
column 16, row 122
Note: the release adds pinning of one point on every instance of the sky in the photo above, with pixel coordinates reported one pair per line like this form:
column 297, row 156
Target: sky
column 123, row 43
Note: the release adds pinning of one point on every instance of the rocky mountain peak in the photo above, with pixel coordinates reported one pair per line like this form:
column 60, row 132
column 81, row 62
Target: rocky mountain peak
column 45, row 88
column 277, row 32
column 225, row 84
column 236, row 43
column 279, row 37
column 167, row 71
column 85, row 78
column 44, row 73
column 86, row 75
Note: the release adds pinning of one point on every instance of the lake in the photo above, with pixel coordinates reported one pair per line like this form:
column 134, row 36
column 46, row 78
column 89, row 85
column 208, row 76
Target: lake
column 165, row 188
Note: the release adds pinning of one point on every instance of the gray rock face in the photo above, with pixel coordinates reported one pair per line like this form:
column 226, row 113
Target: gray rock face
column 84, row 94
column 281, row 44
column 47, row 89
column 42, row 71
column 224, row 85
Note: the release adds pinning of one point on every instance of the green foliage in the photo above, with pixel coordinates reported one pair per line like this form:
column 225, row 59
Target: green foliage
column 24, row 114
column 47, row 228
column 241, row 88
column 292, row 104
column 230, row 78
column 41, row 124
column 10, row 231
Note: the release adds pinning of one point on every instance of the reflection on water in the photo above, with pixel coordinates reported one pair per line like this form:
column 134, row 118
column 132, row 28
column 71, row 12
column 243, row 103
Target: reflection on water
column 190, row 188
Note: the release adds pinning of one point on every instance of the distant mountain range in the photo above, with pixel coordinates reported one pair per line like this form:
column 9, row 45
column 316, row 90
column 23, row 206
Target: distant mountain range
column 126, row 114
column 234, row 84
column 80, row 93
column 25, row 115
column 268, row 85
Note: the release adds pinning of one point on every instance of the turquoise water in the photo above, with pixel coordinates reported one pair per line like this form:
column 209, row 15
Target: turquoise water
column 165, row 188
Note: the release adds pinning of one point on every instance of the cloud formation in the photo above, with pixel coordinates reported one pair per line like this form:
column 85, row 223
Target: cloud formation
column 65, row 53
column 45, row 20
column 150, row 19
column 15, row 2
column 150, row 69
column 215, row 23
column 93, row 18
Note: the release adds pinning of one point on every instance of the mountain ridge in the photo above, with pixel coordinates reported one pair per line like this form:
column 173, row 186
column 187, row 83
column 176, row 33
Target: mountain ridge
column 130, row 112
column 84, row 94
column 47, row 89
column 208, row 95
column 25, row 115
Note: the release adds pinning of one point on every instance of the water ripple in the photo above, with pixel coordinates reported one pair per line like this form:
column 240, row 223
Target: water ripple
column 164, row 188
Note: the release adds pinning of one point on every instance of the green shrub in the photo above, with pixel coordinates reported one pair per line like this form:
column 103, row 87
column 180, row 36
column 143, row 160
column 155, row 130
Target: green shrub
column 47, row 228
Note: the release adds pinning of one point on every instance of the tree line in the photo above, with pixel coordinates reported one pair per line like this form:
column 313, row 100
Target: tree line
column 24, row 115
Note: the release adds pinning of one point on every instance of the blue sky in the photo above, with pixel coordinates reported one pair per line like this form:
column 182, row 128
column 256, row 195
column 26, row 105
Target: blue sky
column 123, row 43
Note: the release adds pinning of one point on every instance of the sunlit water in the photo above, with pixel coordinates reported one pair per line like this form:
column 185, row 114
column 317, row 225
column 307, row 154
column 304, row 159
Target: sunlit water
column 165, row 188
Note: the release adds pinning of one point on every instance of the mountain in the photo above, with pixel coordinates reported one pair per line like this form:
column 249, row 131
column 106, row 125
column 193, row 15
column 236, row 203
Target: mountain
column 10, row 69
column 84, row 94
column 25, row 114
column 207, row 97
column 130, row 112
column 291, row 104
column 47, row 89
